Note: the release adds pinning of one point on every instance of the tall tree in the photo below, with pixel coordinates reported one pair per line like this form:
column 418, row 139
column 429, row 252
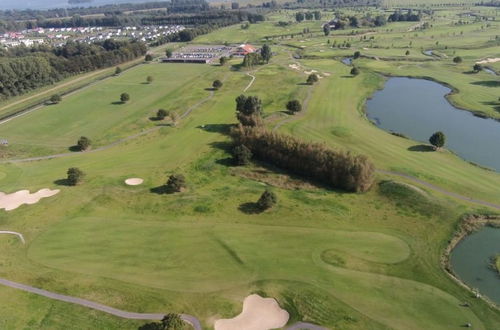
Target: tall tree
column 75, row 176
column 124, row 97
column 312, row 79
column 438, row 140
column 83, row 143
column 217, row 84
column 326, row 29
column 267, row 200
column 266, row 53
column 294, row 106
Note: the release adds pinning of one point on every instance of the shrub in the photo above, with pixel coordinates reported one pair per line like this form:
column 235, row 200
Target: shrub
column 477, row 67
column 118, row 70
column 294, row 106
column 267, row 200
column 148, row 58
column 217, row 84
column 313, row 78
column 338, row 168
column 75, row 176
column 457, row 59
column 354, row 71
column 149, row 79
column 438, row 140
column 176, row 182
column 161, row 114
column 168, row 53
column 357, row 54
column 56, row 98
column 241, row 155
column 124, row 97
column 83, row 143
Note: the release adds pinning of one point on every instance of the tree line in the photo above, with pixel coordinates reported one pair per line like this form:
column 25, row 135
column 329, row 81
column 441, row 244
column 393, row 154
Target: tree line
column 340, row 169
column 23, row 69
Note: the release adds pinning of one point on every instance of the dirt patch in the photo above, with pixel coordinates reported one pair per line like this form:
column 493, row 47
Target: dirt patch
column 258, row 314
column 268, row 177
column 9, row 202
column 134, row 181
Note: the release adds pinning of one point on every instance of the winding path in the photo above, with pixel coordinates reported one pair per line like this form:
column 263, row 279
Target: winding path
column 250, row 83
column 21, row 237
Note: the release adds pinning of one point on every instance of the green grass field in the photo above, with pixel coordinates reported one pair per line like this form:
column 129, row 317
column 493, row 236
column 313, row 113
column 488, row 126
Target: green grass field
column 345, row 261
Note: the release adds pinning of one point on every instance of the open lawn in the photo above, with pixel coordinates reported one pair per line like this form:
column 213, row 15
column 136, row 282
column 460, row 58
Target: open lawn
column 341, row 260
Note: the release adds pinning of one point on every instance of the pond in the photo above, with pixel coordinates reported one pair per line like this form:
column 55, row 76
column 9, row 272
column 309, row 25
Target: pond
column 471, row 260
column 417, row 108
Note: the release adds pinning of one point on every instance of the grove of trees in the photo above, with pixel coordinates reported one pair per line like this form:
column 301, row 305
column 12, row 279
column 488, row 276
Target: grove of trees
column 340, row 169
column 249, row 110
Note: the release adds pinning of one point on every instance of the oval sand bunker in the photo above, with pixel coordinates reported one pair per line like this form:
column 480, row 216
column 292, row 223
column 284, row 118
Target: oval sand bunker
column 134, row 181
column 258, row 314
column 13, row 201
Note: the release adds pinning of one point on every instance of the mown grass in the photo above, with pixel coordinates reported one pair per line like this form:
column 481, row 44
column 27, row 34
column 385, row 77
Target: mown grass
column 368, row 261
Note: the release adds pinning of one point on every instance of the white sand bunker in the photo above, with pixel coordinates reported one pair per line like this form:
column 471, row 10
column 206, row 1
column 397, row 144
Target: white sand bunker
column 489, row 60
column 258, row 314
column 13, row 201
column 134, row 181
column 310, row 72
column 294, row 66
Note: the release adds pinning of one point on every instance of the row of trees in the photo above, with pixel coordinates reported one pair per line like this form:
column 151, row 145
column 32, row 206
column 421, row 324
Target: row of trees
column 23, row 69
column 341, row 169
column 309, row 16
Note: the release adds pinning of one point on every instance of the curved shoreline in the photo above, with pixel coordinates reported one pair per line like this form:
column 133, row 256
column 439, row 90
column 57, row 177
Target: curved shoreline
column 468, row 224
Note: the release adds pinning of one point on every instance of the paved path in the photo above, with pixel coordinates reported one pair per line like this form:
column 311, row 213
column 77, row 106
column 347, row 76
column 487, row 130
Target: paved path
column 21, row 237
column 250, row 83
column 441, row 190
column 100, row 307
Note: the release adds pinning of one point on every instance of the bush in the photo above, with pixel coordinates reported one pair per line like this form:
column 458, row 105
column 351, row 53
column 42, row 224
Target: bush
column 438, row 140
column 176, row 182
column 56, row 98
column 477, row 67
column 241, row 155
column 313, row 78
column 171, row 321
column 338, row 168
column 168, row 53
column 161, row 114
column 148, row 58
column 294, row 106
column 267, row 200
column 149, row 79
column 217, row 84
column 457, row 59
column 118, row 70
column 83, row 143
column 354, row 71
column 124, row 97
column 75, row 176
column 357, row 54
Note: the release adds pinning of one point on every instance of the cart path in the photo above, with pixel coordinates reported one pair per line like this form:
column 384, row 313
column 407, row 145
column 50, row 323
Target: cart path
column 439, row 189
column 190, row 319
column 21, row 237
column 250, row 83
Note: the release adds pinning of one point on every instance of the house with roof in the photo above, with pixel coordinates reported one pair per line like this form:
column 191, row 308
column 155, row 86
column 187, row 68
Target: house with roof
column 244, row 49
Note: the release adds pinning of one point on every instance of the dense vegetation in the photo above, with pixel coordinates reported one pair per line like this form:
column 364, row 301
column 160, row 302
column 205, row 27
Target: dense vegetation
column 338, row 168
column 24, row 69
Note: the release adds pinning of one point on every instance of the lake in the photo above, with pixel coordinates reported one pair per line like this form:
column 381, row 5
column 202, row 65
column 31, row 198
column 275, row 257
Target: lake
column 470, row 261
column 417, row 108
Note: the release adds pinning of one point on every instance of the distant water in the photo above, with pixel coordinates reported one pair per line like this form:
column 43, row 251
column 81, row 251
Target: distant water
column 417, row 108
column 48, row 4
column 471, row 258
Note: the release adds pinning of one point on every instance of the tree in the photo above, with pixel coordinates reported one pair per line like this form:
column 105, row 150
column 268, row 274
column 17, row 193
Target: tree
column 477, row 67
column 170, row 321
column 267, row 200
column 457, row 60
column 294, row 106
column 118, row 70
column 326, row 29
column 168, row 53
column 299, row 17
column 317, row 15
column 266, row 53
column 357, row 54
column 56, row 98
column 407, row 53
column 176, row 182
column 149, row 79
column 217, row 84
column 83, row 143
column 148, row 58
column 438, row 140
column 354, row 71
column 124, row 97
column 223, row 60
column 241, row 155
column 75, row 176
column 161, row 114
column 252, row 59
column 249, row 110
column 313, row 78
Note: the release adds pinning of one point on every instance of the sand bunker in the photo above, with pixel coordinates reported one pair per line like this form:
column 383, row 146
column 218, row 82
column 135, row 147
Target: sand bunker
column 489, row 60
column 326, row 74
column 310, row 72
column 258, row 314
column 134, row 181
column 13, row 201
column 294, row 66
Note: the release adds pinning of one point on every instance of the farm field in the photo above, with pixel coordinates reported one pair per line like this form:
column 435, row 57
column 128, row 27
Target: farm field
column 337, row 259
